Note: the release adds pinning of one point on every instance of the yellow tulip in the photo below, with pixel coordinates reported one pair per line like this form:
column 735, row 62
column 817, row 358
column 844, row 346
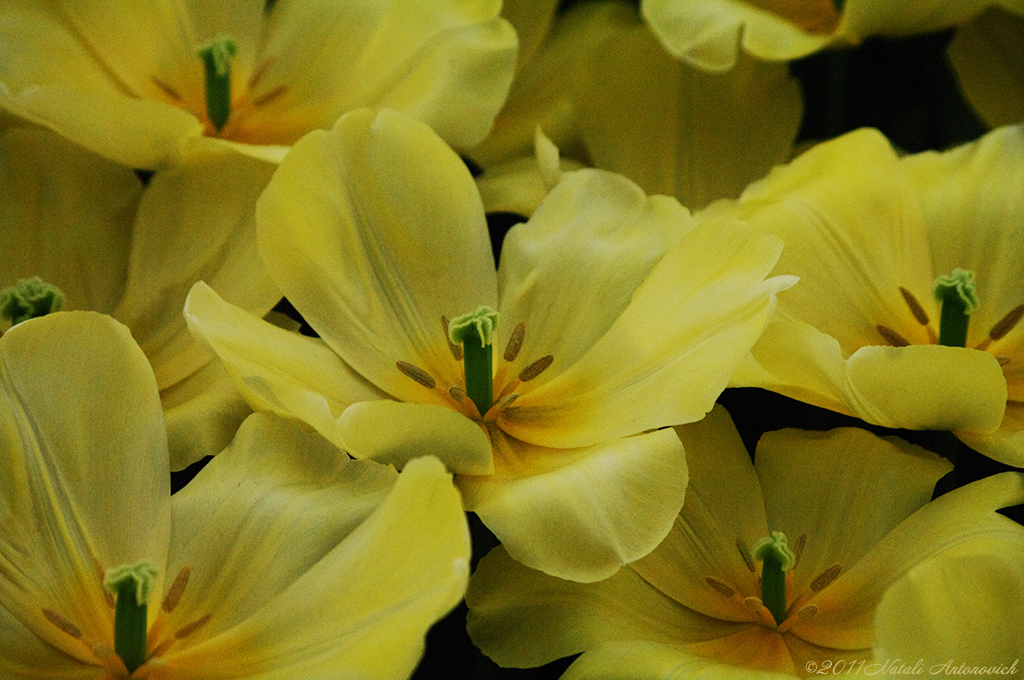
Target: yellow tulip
column 618, row 314
column 281, row 559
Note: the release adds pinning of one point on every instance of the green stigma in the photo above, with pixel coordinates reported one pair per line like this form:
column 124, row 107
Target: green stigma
column 216, row 56
column 475, row 332
column 778, row 559
column 132, row 584
column 959, row 298
column 30, row 298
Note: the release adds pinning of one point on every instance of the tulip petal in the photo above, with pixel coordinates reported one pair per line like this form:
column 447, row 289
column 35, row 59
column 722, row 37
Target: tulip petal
column 393, row 432
column 24, row 656
column 521, row 617
column 446, row 63
column 650, row 661
column 363, row 608
column 375, row 231
column 570, row 271
column 815, row 485
column 195, row 223
column 723, row 505
column 276, row 370
column 670, row 353
column 580, row 514
column 987, row 55
column 203, row 413
column 964, row 516
column 274, row 486
column 961, row 608
column 677, row 130
column 69, row 214
column 86, row 486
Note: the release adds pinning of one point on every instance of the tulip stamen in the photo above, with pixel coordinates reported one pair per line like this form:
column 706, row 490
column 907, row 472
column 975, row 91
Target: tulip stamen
column 63, row 624
column 1002, row 327
column 720, row 586
column 744, row 551
column 216, row 56
column 177, row 589
column 776, row 558
column 535, row 368
column 891, row 336
column 474, row 332
column 417, row 374
column 132, row 584
column 826, row 577
column 959, row 297
column 30, row 298
column 917, row 309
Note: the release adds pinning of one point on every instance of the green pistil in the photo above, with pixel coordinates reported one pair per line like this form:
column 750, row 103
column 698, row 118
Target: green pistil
column 474, row 332
column 778, row 559
column 959, row 298
column 216, row 57
column 132, row 584
column 30, row 298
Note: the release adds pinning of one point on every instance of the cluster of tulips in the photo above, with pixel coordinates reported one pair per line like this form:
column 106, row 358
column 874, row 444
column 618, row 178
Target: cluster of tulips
column 246, row 247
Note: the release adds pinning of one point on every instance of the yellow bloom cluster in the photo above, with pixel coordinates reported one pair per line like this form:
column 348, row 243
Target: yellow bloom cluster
column 274, row 381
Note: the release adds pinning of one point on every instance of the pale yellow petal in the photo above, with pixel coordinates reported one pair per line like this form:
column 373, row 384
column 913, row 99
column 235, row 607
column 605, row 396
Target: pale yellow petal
column 86, row 483
column 517, row 186
column 1005, row 444
column 24, row 656
column 520, row 617
column 138, row 133
column 829, row 487
column 677, row 130
column 363, row 609
column 543, row 92
column 987, row 55
column 532, row 20
column 447, row 63
column 375, row 231
column 261, row 514
column 974, row 223
column 569, row 272
column 276, row 370
column 962, row 607
column 195, row 223
column 928, row 387
column 855, row 233
column 709, row 33
column 395, row 432
column 68, row 216
column 670, row 353
column 580, row 514
column 649, row 661
column 724, row 506
column 203, row 411
column 964, row 516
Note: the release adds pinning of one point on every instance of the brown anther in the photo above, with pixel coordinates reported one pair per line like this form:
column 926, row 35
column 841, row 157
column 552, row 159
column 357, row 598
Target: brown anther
column 752, row 603
column 915, row 307
column 457, row 393
column 745, row 554
column 1007, row 323
column 269, row 97
column 192, row 627
column 177, row 589
column 456, row 350
column 826, row 577
column 536, row 368
column 798, row 548
column 720, row 585
column 807, row 613
column 62, row 623
column 891, row 336
column 416, row 373
column 506, row 400
column 515, row 342
column 258, row 74
column 165, row 88
column 1003, row 360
